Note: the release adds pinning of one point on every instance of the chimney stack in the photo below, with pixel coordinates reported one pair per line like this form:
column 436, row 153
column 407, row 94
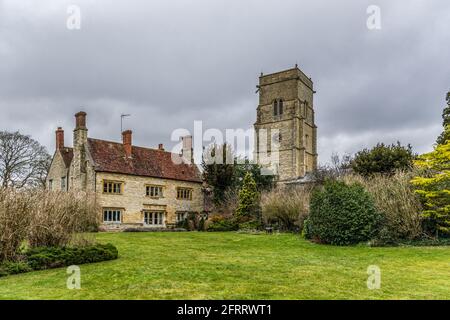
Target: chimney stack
column 161, row 147
column 127, row 142
column 59, row 138
column 187, row 152
column 80, row 120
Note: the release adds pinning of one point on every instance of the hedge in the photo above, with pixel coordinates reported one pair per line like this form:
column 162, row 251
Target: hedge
column 54, row 257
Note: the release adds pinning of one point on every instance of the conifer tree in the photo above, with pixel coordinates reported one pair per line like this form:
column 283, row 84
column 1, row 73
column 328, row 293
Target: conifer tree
column 248, row 207
column 433, row 186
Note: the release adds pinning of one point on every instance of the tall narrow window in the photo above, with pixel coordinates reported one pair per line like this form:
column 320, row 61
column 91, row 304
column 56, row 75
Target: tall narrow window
column 63, row 184
column 278, row 107
column 50, row 184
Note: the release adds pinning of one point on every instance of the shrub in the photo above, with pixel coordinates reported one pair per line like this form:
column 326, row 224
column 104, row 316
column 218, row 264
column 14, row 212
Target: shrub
column 306, row 231
column 201, row 224
column 250, row 225
column 43, row 218
column 395, row 199
column 14, row 267
column 342, row 214
column 54, row 257
column 433, row 187
column 384, row 159
column 15, row 216
column 222, row 223
column 56, row 216
column 286, row 207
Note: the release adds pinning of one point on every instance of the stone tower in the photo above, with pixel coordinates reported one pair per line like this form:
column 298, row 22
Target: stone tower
column 286, row 113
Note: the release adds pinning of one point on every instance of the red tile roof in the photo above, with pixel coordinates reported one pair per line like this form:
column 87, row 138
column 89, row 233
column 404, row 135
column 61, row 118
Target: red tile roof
column 67, row 155
column 110, row 157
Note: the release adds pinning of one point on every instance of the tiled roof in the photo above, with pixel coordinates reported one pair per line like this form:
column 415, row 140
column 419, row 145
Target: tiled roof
column 67, row 155
column 110, row 157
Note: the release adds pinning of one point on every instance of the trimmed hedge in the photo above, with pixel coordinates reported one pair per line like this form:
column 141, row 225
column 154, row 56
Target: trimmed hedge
column 54, row 257
column 342, row 214
column 223, row 225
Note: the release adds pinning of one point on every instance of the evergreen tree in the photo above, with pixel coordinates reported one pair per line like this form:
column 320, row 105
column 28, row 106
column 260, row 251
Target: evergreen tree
column 384, row 159
column 433, row 186
column 248, row 207
column 243, row 166
column 217, row 173
column 445, row 136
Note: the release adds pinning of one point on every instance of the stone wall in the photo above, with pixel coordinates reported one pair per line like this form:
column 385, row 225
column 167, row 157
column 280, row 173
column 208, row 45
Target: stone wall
column 57, row 171
column 133, row 201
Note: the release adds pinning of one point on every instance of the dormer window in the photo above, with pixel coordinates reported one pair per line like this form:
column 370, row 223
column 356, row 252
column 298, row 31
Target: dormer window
column 278, row 107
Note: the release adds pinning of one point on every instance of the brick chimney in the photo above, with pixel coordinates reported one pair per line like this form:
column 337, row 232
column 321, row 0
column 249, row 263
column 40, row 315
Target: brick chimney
column 59, row 138
column 127, row 142
column 161, row 147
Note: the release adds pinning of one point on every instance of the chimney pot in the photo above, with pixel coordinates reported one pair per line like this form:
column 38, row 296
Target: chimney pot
column 127, row 142
column 59, row 138
column 161, row 146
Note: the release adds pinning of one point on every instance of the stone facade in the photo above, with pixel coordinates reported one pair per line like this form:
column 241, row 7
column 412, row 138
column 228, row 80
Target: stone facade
column 58, row 173
column 134, row 202
column 80, row 171
column 297, row 139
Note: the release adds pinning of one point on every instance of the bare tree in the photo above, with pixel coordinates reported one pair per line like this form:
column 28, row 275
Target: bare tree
column 23, row 161
column 338, row 167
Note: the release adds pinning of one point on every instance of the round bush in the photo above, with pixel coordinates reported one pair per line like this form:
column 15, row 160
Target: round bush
column 342, row 214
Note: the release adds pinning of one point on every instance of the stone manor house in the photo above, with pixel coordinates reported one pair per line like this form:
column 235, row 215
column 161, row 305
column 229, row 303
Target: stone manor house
column 144, row 187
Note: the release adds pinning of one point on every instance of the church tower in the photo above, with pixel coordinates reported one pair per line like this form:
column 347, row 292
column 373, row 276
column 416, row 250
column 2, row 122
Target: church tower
column 285, row 119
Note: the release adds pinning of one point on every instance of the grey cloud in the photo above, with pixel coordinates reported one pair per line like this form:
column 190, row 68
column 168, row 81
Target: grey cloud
column 169, row 63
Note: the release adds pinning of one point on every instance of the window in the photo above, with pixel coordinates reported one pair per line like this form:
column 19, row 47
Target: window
column 154, row 191
column 112, row 187
column 181, row 216
column 63, row 184
column 50, row 184
column 306, row 140
column 184, row 194
column 278, row 107
column 154, row 218
column 112, row 215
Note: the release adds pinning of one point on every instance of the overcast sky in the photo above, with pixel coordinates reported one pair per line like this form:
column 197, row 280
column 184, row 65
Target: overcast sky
column 169, row 63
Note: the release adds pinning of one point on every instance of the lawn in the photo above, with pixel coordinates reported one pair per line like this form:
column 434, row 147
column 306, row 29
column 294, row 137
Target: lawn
column 241, row 266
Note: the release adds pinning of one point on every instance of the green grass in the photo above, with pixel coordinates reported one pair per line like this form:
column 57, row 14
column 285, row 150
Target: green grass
column 241, row 266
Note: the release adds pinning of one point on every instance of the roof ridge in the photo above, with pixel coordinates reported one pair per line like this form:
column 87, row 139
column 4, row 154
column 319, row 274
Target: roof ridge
column 134, row 146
